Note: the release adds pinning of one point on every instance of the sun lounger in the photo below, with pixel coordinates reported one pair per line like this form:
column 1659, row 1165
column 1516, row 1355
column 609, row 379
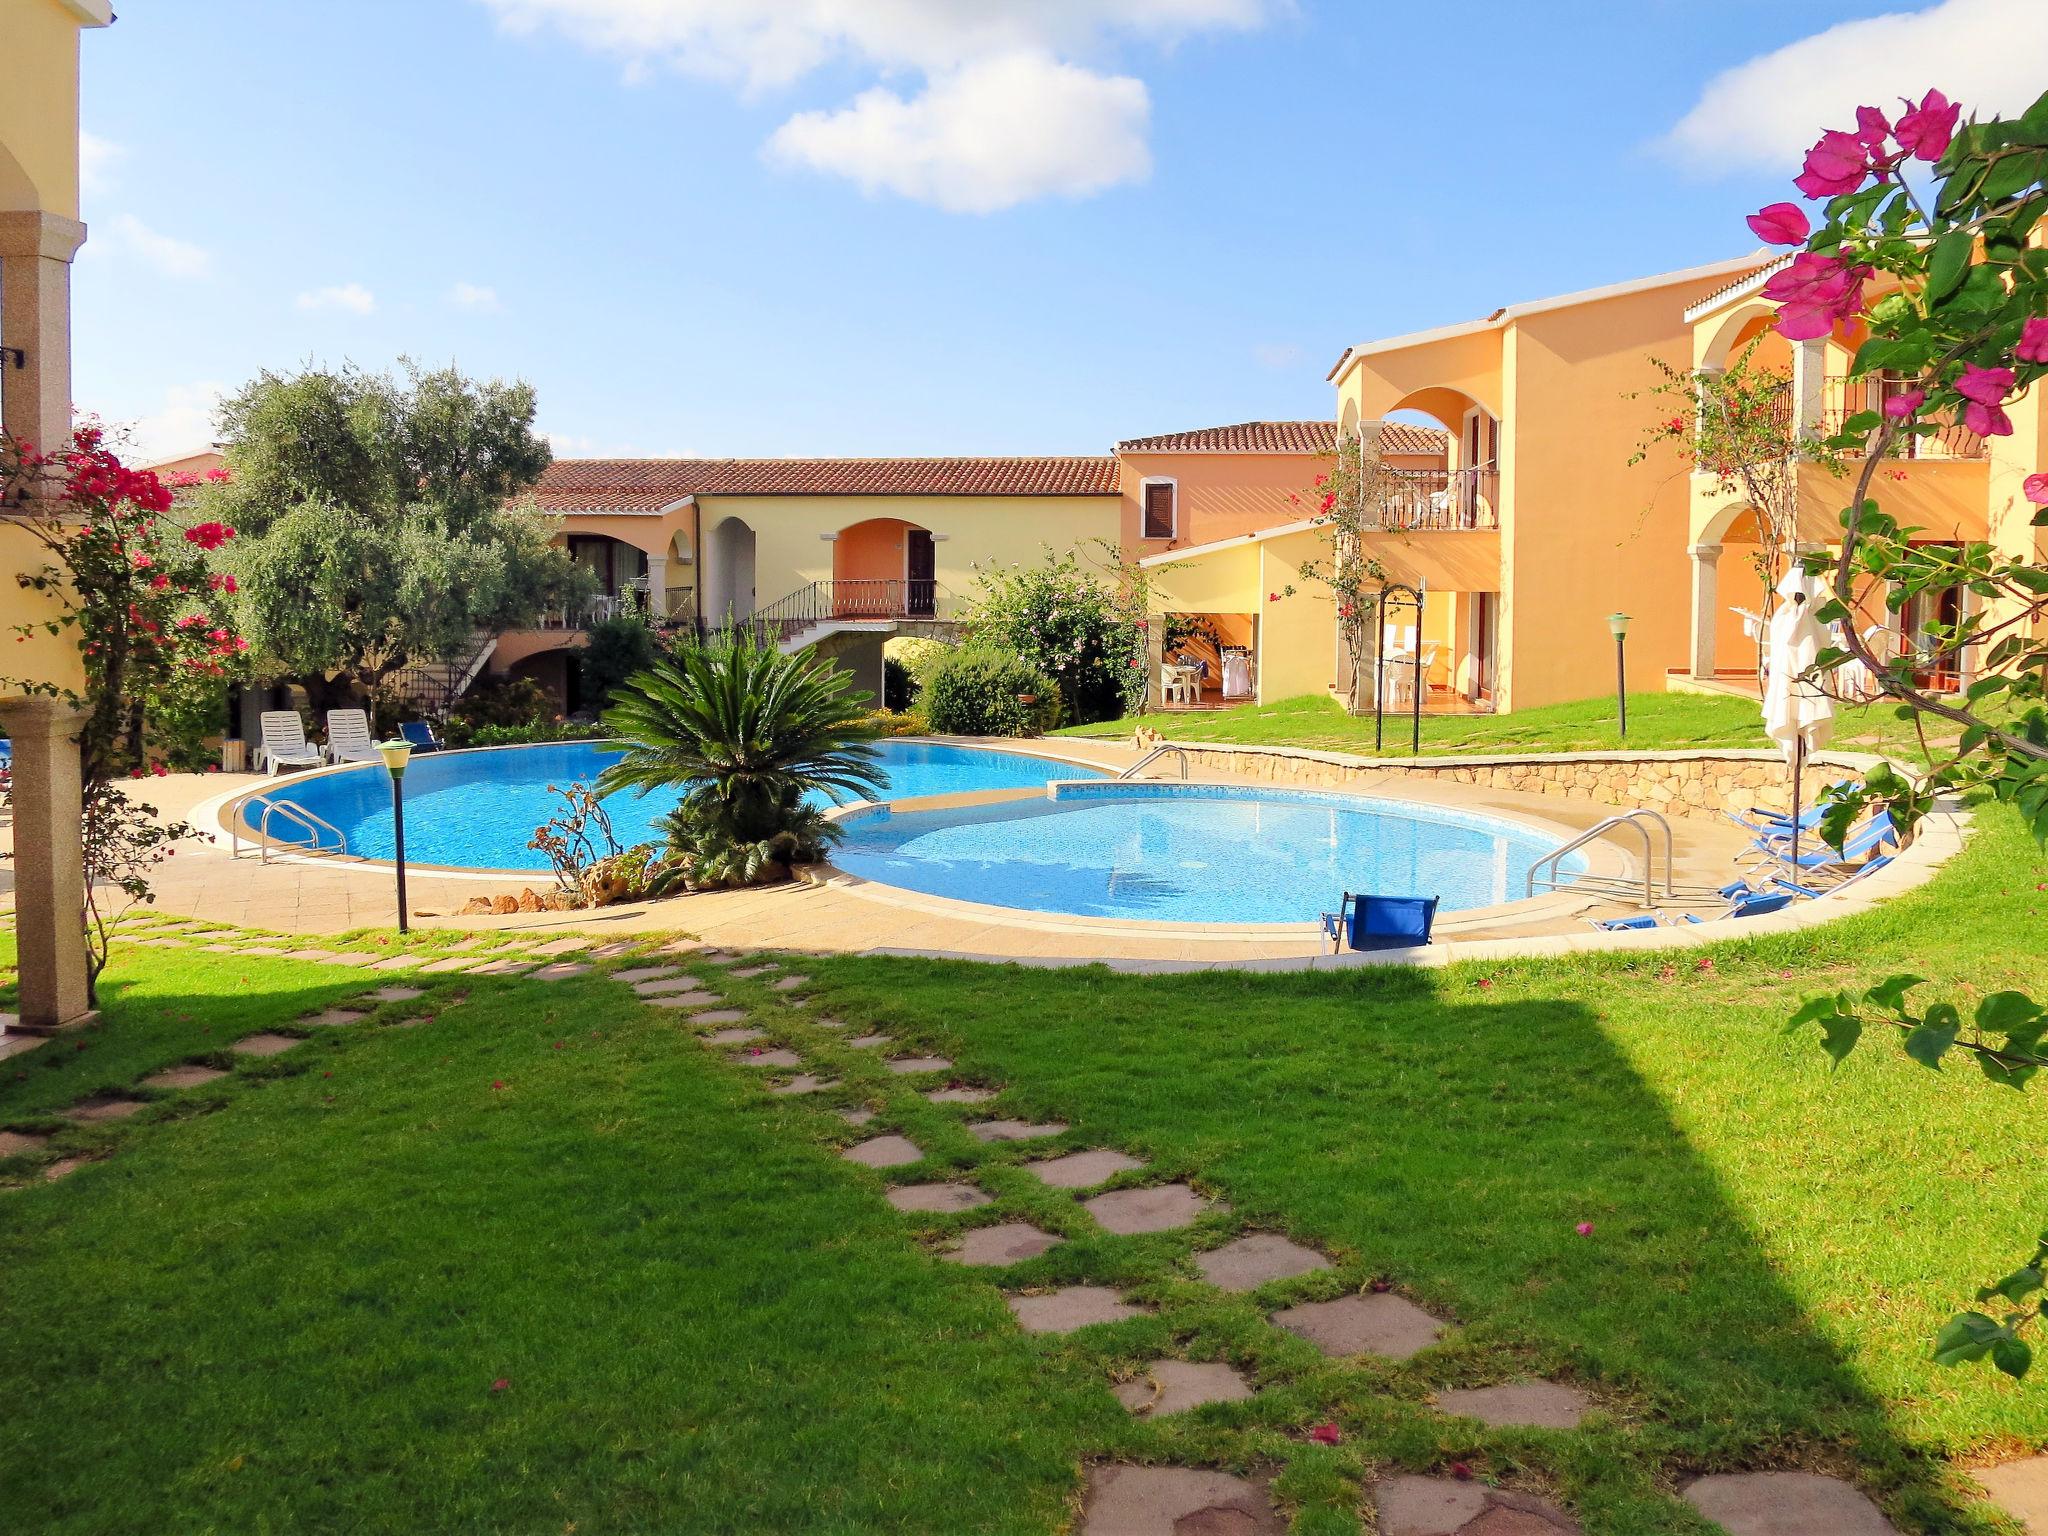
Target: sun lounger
column 1810, row 891
column 1745, row 903
column 348, row 737
column 284, row 743
column 421, row 735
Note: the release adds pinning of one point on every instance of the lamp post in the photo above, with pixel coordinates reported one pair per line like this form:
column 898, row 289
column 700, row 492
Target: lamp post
column 1617, row 624
column 396, row 755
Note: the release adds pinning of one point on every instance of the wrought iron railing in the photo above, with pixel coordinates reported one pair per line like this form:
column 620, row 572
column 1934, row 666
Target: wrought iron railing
column 1842, row 398
column 1453, row 499
column 852, row 599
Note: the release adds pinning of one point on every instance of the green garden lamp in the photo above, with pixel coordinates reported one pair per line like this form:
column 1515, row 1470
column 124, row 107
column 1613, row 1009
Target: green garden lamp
column 396, row 755
column 1617, row 625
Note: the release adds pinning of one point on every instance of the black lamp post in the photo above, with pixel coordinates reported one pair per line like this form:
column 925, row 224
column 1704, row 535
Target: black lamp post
column 1617, row 623
column 396, row 755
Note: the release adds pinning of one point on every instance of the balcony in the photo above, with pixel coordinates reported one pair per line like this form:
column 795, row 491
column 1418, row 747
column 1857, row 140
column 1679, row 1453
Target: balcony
column 672, row 608
column 1843, row 398
column 1454, row 500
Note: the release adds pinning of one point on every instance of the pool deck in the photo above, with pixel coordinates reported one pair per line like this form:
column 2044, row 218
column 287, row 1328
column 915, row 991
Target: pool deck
column 831, row 912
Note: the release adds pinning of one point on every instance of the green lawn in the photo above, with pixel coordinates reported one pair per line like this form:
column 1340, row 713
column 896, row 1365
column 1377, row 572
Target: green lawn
column 282, row 1300
column 1655, row 720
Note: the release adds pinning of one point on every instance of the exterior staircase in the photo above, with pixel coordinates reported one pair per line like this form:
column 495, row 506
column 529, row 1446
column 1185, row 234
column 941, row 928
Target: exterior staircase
column 432, row 687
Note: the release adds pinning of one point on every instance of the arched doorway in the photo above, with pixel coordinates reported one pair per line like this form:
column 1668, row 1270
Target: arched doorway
column 884, row 567
column 729, row 572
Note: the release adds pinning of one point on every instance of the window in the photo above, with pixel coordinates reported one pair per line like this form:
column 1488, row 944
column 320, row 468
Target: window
column 1156, row 498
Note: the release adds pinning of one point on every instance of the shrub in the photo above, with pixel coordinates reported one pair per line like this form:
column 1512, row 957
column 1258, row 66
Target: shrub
column 899, row 684
column 457, row 734
column 504, row 701
column 1079, row 629
column 980, row 690
column 615, row 649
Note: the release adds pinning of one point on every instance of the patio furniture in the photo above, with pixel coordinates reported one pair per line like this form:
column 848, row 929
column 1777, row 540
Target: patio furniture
column 348, row 737
column 284, row 743
column 421, row 735
column 1748, row 903
column 1863, row 841
column 1380, row 922
column 1814, row 891
column 1179, row 683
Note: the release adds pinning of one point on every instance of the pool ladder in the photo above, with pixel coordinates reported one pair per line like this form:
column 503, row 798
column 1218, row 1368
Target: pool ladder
column 314, row 826
column 1159, row 751
column 1634, row 820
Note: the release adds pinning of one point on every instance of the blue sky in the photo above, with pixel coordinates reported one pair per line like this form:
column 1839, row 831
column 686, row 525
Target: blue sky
column 920, row 226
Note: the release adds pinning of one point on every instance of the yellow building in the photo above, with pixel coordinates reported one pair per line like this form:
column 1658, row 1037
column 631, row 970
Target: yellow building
column 39, row 234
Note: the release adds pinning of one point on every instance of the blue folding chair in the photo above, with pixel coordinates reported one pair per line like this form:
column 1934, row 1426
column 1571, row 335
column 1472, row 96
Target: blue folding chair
column 1380, row 922
column 1742, row 902
column 421, row 735
column 1810, row 891
column 1860, row 844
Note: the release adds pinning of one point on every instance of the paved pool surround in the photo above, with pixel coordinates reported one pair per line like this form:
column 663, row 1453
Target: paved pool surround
column 832, row 913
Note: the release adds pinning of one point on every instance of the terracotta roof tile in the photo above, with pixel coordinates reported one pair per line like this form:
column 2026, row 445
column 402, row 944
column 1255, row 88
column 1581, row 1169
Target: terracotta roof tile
column 648, row 485
column 1284, row 437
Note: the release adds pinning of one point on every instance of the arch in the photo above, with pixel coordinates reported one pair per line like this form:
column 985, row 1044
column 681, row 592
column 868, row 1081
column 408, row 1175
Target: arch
column 1347, row 426
column 729, row 571
column 1736, row 522
column 883, row 566
column 1735, row 330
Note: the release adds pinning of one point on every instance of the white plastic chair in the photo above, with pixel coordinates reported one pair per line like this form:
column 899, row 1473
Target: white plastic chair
column 284, row 742
column 348, row 737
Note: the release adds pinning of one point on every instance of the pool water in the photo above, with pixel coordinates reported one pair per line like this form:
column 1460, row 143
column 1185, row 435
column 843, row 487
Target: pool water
column 479, row 809
column 1197, row 853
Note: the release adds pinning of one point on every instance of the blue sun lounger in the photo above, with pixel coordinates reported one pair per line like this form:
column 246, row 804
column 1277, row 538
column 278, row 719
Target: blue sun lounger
column 1745, row 903
column 1380, row 922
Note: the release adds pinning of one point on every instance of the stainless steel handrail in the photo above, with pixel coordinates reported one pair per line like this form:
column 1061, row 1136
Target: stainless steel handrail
column 305, row 818
column 1132, row 771
column 1631, row 819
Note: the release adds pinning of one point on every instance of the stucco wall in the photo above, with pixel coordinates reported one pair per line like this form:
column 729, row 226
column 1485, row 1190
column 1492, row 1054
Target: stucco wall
column 39, row 107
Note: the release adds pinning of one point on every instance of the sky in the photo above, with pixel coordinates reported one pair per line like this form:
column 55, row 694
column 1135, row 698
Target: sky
column 898, row 227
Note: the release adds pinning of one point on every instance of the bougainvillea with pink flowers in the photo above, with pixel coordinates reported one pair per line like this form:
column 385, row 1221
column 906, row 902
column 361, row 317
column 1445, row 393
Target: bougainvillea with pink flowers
column 1926, row 258
column 136, row 593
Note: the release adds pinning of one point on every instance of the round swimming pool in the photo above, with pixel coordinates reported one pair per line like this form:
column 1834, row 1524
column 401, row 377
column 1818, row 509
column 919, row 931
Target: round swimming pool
column 1196, row 853
column 477, row 810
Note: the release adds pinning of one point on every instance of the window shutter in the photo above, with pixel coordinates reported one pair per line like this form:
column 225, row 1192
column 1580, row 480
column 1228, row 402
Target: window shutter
column 1158, row 511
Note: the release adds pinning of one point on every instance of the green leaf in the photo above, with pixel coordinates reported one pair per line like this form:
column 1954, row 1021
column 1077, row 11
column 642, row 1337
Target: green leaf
column 2003, row 1012
column 2017, row 1286
column 1890, row 994
column 1813, row 1009
column 1951, row 259
column 1839, row 1034
column 2014, row 1078
column 1931, row 1041
column 2011, row 174
column 2012, row 1356
column 1965, row 1337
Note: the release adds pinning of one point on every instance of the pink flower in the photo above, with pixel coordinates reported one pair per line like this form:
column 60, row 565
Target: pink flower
column 1987, row 386
column 1326, row 1434
column 1908, row 403
column 1813, row 292
column 1871, row 128
column 501, row 1384
column 1584, row 1229
column 1924, row 131
column 2033, row 343
column 1837, row 163
column 2035, row 489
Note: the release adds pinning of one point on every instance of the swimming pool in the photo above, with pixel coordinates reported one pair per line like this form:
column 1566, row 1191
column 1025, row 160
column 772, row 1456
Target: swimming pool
column 1197, row 853
column 477, row 810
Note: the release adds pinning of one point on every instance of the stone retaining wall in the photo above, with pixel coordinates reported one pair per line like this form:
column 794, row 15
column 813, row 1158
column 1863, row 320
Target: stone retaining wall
column 1701, row 784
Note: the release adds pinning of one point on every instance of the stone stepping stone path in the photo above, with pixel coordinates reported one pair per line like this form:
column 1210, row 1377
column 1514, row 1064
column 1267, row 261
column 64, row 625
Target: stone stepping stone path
column 856, row 1116
column 478, row 941
column 668, row 984
column 395, row 963
column 1014, row 1130
column 310, row 954
column 561, row 971
column 1176, row 1501
column 750, row 972
column 674, row 999
column 559, row 947
column 719, row 1016
column 332, row 1017
column 961, row 1093
column 505, row 967
column 1077, row 1170
column 639, row 973
column 1448, row 1506
column 1387, row 1325
column 1157, row 1208
column 265, row 1044
column 1256, row 1260
column 825, row 1023
column 789, row 983
column 736, row 1036
column 262, row 949
column 2020, row 1488
column 452, row 963
column 1012, row 1242
column 805, row 1083
column 63, row 1166
column 1786, row 1504
column 347, row 957
column 905, row 1066
column 102, row 1107
column 614, row 949
column 884, row 1152
column 942, row 1198
column 1174, row 1386
column 398, row 994
column 1071, row 1307
column 1518, row 1405
column 867, row 1042
column 189, row 1076
column 775, row 1057
column 14, row 1143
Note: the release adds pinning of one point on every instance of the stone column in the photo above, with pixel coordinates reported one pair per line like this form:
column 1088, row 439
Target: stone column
column 1809, row 396
column 1706, row 606
column 49, row 864
column 657, row 585
column 35, row 318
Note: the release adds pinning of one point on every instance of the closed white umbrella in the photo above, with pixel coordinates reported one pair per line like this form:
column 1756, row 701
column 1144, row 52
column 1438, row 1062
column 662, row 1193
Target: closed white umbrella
column 1798, row 714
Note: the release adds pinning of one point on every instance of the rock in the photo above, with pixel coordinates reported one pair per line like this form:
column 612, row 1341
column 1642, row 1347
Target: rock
column 529, row 901
column 504, row 906
column 475, row 906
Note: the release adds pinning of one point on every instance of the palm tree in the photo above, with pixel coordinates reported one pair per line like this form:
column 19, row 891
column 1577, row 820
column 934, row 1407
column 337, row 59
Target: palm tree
column 747, row 733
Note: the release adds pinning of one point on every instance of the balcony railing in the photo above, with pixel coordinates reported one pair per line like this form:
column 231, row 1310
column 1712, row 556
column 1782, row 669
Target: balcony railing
column 1843, row 398
column 854, row 600
column 1450, row 499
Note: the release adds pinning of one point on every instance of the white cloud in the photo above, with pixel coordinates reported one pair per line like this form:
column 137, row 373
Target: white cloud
column 97, row 158
column 353, row 297
column 941, row 142
column 168, row 254
column 983, row 137
column 474, row 296
column 1985, row 54
column 180, row 423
